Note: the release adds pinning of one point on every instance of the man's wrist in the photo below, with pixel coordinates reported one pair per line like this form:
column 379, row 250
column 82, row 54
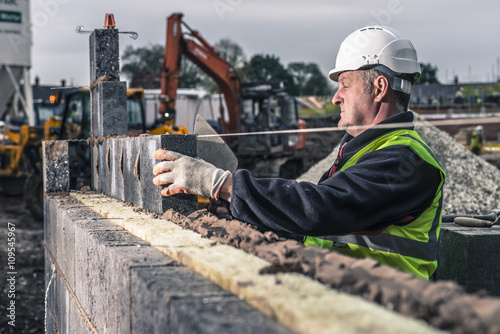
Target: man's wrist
column 226, row 189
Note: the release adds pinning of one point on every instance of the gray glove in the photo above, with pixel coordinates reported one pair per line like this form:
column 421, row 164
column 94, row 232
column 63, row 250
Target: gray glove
column 188, row 175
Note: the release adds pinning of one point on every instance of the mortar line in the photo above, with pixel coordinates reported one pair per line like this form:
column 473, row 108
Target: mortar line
column 86, row 318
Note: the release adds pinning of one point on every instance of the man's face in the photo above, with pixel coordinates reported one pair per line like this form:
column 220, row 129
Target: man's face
column 356, row 106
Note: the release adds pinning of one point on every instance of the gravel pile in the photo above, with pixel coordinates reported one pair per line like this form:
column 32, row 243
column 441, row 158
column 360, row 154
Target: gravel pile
column 472, row 184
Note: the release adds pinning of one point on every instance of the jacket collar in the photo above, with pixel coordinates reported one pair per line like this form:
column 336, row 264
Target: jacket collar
column 354, row 144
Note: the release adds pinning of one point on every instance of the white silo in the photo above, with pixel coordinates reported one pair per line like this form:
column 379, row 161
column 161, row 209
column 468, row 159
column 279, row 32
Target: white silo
column 15, row 55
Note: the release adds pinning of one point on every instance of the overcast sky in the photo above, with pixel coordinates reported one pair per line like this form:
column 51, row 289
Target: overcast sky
column 459, row 37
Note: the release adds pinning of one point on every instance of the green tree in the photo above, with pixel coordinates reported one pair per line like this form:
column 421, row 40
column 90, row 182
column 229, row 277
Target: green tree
column 232, row 53
column 429, row 74
column 309, row 79
column 142, row 66
column 269, row 68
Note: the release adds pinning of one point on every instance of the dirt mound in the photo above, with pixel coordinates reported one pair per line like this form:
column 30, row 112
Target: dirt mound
column 472, row 184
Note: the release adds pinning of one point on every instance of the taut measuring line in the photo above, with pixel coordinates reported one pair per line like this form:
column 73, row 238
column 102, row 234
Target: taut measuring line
column 462, row 121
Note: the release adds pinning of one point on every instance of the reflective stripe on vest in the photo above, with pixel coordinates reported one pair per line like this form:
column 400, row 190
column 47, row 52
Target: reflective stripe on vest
column 411, row 247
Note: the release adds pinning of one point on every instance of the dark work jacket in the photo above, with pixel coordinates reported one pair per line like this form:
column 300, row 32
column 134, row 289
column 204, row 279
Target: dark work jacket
column 388, row 186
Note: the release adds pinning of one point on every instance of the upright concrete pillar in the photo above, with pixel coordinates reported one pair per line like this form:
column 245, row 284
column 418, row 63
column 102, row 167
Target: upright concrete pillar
column 108, row 94
column 63, row 163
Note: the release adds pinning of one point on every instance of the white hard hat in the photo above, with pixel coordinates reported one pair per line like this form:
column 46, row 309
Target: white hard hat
column 372, row 46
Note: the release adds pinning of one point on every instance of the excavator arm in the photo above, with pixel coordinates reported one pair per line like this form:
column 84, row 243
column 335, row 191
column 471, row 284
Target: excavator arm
column 192, row 45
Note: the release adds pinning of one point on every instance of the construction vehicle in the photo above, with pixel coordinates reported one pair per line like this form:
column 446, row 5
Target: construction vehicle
column 251, row 107
column 20, row 144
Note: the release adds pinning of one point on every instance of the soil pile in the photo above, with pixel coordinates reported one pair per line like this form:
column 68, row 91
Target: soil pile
column 472, row 184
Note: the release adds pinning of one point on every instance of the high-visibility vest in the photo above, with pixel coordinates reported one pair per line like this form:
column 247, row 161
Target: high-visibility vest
column 411, row 247
column 475, row 140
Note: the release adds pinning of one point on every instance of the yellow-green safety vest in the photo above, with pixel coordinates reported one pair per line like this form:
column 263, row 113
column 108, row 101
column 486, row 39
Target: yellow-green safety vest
column 475, row 140
column 411, row 247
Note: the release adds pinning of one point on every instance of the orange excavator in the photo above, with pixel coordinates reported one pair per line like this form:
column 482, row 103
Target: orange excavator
column 251, row 107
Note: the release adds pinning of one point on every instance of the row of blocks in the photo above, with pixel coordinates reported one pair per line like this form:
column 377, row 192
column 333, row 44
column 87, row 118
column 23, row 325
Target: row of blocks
column 123, row 285
column 462, row 257
column 121, row 168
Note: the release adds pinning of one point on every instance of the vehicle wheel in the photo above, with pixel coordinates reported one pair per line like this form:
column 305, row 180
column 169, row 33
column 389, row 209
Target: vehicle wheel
column 33, row 195
column 12, row 186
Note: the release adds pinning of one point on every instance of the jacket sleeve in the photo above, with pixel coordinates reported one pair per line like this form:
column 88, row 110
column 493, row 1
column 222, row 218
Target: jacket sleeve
column 384, row 187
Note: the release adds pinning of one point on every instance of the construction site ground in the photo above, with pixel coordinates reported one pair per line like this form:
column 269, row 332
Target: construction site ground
column 30, row 294
column 28, row 265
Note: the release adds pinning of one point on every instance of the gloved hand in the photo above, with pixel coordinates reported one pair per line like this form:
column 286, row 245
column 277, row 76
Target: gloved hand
column 188, row 175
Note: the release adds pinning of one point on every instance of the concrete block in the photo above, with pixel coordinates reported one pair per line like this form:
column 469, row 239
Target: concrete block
column 131, row 172
column 58, row 306
column 61, row 307
column 66, row 235
column 76, row 322
column 104, row 167
column 94, row 166
column 60, row 237
column 104, row 54
column 151, row 196
column 219, row 315
column 55, row 166
column 49, row 291
column 50, row 225
column 469, row 256
column 117, row 167
column 50, row 326
column 84, row 222
column 99, row 244
column 154, row 288
column 66, row 164
column 109, row 109
column 119, row 300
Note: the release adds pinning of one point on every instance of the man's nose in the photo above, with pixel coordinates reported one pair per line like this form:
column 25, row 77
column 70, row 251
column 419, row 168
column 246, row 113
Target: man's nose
column 336, row 98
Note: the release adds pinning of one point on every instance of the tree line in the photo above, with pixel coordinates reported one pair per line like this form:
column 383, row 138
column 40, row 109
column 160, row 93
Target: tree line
column 142, row 65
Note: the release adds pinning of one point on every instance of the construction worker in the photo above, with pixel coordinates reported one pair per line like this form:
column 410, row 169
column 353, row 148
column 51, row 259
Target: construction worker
column 381, row 198
column 477, row 139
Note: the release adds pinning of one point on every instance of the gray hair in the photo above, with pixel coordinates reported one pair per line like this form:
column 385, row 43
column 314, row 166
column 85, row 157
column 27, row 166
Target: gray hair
column 401, row 99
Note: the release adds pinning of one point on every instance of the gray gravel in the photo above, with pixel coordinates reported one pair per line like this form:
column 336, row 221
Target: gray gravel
column 472, row 184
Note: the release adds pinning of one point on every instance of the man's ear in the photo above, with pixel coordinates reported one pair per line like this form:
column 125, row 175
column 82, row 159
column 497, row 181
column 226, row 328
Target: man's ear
column 382, row 87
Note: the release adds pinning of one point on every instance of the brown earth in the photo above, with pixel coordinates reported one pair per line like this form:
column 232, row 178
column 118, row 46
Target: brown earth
column 29, row 267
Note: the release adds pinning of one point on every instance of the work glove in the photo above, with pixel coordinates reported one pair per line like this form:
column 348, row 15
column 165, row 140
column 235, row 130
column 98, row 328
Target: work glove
column 188, row 175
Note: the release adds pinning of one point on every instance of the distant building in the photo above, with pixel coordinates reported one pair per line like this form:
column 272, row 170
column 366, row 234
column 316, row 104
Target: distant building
column 463, row 97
